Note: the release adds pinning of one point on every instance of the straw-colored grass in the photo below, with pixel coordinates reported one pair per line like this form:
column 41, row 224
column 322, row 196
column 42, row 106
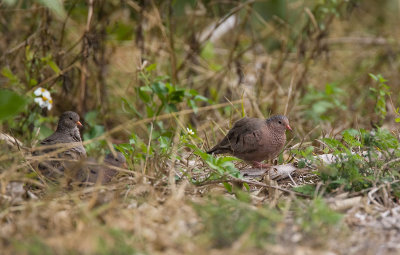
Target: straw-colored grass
column 267, row 64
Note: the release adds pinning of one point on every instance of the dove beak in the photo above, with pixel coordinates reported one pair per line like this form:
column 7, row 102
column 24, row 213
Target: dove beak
column 288, row 127
column 79, row 124
column 125, row 165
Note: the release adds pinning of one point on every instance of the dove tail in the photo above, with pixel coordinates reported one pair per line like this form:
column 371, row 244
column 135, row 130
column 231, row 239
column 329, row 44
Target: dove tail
column 218, row 150
column 211, row 151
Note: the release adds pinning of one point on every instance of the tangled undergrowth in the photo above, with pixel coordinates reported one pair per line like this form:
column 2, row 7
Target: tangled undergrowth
column 162, row 82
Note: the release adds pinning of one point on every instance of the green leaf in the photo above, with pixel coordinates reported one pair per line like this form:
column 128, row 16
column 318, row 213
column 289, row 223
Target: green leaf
column 33, row 82
column 151, row 67
column 228, row 187
column 373, row 77
column 10, row 104
column 44, row 131
column 193, row 105
column 6, row 72
column 200, row 98
column 132, row 107
column 91, row 117
column 28, row 53
column 160, row 89
column 307, row 189
column 301, row 163
column 350, row 138
column 226, row 159
column 335, row 145
column 149, row 111
column 321, row 107
column 329, row 89
column 164, row 142
column 177, row 96
column 143, row 93
column 171, row 108
column 54, row 66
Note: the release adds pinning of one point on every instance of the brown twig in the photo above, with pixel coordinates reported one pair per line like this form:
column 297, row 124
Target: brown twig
column 85, row 55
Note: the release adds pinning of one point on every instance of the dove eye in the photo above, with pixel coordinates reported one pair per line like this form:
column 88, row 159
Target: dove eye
column 280, row 122
column 70, row 118
column 116, row 159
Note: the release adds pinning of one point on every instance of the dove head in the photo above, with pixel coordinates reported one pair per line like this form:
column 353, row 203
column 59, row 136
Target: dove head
column 68, row 120
column 279, row 123
column 118, row 160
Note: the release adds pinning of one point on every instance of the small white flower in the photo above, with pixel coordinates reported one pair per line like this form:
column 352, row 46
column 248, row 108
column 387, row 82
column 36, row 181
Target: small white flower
column 190, row 132
column 49, row 104
column 40, row 102
column 43, row 98
column 39, row 91
column 46, row 94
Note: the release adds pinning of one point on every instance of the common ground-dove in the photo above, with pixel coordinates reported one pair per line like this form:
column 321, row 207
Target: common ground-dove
column 94, row 172
column 67, row 132
column 255, row 140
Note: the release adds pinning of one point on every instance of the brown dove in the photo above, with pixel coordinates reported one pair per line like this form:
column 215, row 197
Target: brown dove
column 67, row 132
column 255, row 140
column 102, row 173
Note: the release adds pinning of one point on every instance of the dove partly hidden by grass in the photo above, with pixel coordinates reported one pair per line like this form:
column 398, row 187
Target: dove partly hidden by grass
column 255, row 140
column 67, row 132
column 94, row 172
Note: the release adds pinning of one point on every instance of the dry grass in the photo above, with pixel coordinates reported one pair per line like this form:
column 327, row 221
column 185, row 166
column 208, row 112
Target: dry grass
column 154, row 208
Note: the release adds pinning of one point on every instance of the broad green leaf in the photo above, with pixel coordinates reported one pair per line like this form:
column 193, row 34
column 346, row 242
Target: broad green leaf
column 159, row 87
column 10, row 104
column 177, row 96
column 161, row 90
column 143, row 93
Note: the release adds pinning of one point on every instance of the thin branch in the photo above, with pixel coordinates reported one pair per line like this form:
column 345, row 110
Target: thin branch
column 85, row 53
column 390, row 162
